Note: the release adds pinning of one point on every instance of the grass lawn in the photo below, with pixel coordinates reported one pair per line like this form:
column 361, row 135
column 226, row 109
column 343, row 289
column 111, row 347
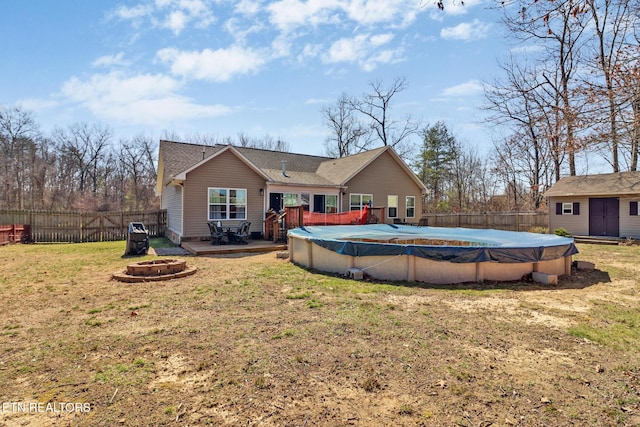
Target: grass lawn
column 256, row 340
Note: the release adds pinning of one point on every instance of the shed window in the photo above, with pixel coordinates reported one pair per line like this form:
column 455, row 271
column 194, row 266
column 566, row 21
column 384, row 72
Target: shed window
column 568, row 208
column 633, row 208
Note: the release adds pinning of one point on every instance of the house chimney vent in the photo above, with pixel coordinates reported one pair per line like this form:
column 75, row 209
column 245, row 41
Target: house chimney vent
column 284, row 169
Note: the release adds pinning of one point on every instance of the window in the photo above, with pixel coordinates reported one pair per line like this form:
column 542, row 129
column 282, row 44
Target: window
column 290, row 199
column 357, row 201
column 331, row 203
column 227, row 203
column 568, row 208
column 304, row 201
column 392, row 206
column 325, row 203
column 633, row 208
column 410, row 202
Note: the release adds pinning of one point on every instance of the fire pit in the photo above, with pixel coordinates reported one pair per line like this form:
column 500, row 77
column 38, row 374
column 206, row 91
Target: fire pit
column 155, row 270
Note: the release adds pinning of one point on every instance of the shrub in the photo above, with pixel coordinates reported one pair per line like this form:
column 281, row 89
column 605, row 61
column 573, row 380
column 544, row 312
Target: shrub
column 561, row 232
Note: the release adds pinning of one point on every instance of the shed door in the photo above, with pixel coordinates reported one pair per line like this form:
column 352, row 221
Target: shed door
column 604, row 217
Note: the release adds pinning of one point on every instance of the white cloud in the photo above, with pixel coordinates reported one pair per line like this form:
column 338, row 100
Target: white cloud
column 216, row 65
column 309, row 51
column 470, row 88
column 290, row 14
column 176, row 21
column 526, row 49
column 109, row 60
column 174, row 15
column 466, row 31
column 362, row 50
column 247, row 7
column 381, row 39
column 367, row 12
column 135, row 12
column 149, row 99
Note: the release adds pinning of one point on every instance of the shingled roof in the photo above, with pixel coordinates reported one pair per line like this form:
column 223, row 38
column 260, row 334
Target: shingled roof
column 177, row 158
column 611, row 184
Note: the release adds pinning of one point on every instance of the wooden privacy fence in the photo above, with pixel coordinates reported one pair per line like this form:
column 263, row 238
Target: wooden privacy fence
column 511, row 221
column 48, row 226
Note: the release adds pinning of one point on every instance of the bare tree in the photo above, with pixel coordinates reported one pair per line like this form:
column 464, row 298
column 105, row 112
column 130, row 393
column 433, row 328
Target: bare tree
column 558, row 28
column 82, row 149
column 137, row 157
column 19, row 145
column 610, row 22
column 525, row 104
column 376, row 106
column 347, row 135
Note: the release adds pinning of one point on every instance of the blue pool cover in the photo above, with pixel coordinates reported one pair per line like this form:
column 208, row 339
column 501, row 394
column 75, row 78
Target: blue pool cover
column 484, row 245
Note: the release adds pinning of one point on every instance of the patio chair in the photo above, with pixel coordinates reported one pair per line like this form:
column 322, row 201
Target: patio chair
column 242, row 234
column 217, row 233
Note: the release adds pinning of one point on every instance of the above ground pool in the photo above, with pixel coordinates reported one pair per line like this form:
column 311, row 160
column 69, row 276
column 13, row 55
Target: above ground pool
column 430, row 254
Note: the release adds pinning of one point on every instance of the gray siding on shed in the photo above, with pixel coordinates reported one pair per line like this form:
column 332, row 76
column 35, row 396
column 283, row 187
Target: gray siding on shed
column 578, row 225
column 383, row 177
column 223, row 171
column 629, row 224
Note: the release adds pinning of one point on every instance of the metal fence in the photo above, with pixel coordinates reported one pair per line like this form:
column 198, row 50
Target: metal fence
column 511, row 221
column 51, row 226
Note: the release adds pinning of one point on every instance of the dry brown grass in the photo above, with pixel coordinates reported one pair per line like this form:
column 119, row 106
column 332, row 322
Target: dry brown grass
column 256, row 340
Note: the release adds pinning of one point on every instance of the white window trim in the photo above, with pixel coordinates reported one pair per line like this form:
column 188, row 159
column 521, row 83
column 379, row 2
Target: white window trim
column 227, row 204
column 406, row 206
column 567, row 208
column 361, row 196
column 389, row 207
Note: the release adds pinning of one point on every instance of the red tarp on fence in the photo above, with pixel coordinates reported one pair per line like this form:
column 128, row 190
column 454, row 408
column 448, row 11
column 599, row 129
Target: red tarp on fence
column 341, row 218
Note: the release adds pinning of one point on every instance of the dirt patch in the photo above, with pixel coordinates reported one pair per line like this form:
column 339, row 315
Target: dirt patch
column 255, row 340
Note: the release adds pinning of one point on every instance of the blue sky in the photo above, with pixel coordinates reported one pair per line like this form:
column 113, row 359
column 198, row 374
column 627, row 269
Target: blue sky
column 255, row 67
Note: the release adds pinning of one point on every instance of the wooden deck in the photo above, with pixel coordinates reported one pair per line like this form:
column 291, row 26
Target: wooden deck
column 206, row 248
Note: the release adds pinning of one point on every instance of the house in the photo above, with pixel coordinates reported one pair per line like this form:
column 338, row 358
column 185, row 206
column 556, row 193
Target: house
column 201, row 183
column 596, row 205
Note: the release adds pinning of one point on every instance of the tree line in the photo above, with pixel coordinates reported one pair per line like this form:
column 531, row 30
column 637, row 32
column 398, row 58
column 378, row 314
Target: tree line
column 83, row 167
column 80, row 167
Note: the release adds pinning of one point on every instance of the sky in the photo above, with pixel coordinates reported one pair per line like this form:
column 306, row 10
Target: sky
column 221, row 68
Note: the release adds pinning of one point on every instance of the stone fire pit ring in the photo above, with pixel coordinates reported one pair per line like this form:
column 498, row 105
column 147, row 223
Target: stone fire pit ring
column 155, row 270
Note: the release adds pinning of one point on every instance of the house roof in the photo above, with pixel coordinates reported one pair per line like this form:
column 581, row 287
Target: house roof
column 176, row 159
column 609, row 184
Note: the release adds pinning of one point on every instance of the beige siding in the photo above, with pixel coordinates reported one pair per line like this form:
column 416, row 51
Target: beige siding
column 629, row 225
column 578, row 225
column 383, row 177
column 173, row 196
column 223, row 171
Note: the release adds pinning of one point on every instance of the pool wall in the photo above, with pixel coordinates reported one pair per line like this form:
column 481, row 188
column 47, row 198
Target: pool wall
column 400, row 267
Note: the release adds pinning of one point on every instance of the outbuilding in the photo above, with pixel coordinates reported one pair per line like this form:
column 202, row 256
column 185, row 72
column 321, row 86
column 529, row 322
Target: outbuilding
column 604, row 205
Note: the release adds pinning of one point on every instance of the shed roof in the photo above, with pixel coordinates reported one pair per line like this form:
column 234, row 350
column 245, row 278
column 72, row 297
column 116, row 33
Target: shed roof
column 610, row 184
